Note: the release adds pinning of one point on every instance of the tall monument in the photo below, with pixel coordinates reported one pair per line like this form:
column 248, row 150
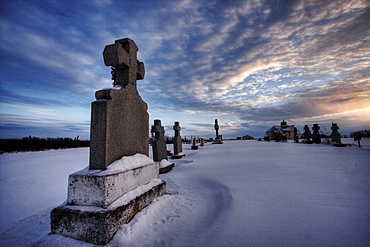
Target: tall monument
column 218, row 138
column 121, row 179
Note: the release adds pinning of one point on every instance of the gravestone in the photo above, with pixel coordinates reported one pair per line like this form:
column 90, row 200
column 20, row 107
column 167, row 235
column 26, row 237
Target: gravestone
column 177, row 143
column 335, row 136
column 295, row 135
column 218, row 138
column 307, row 135
column 316, row 137
column 194, row 146
column 202, row 142
column 159, row 141
column 121, row 179
column 159, row 147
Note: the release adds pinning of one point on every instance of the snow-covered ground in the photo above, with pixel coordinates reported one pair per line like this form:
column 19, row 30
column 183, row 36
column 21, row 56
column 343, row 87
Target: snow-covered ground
column 240, row 193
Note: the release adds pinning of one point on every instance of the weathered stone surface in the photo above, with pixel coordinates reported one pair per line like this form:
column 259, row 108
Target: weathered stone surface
column 177, row 142
column 119, row 118
column 97, row 225
column 159, row 141
column 121, row 179
column 122, row 55
column 101, row 188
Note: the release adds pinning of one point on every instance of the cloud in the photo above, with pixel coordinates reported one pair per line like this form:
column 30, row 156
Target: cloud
column 252, row 60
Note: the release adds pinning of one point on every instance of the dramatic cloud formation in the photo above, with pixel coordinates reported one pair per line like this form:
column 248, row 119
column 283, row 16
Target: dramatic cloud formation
column 247, row 63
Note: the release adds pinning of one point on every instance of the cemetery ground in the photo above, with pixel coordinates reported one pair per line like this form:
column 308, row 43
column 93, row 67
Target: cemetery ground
column 241, row 193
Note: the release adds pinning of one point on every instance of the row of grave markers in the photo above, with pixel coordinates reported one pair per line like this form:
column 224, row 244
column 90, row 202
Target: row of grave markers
column 315, row 137
column 159, row 141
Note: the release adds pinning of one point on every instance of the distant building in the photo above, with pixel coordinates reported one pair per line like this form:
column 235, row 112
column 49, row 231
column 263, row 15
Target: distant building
column 282, row 132
column 247, row 137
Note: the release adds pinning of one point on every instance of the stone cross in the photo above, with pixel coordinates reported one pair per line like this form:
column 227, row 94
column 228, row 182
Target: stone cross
column 119, row 117
column 177, row 141
column 159, row 142
column 316, row 137
column 307, row 133
column 122, row 56
column 217, row 128
column 335, row 136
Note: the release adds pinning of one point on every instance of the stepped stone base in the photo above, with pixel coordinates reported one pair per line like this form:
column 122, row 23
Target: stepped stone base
column 177, row 156
column 217, row 142
column 102, row 187
column 98, row 225
column 165, row 166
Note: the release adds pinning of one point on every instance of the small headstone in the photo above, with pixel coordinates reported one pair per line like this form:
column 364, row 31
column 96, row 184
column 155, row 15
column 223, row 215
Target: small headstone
column 316, row 137
column 202, row 142
column 177, row 142
column 194, row 146
column 335, row 136
column 218, row 138
column 307, row 135
column 99, row 198
column 159, row 141
column 159, row 147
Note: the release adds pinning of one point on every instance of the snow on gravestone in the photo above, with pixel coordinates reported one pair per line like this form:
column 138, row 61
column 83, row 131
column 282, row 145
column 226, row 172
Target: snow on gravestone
column 159, row 147
column 121, row 179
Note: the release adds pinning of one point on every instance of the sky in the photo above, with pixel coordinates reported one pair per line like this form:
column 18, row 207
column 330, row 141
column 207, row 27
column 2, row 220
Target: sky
column 250, row 64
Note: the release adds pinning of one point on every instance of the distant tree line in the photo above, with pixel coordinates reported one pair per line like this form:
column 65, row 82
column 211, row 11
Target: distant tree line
column 38, row 144
column 363, row 133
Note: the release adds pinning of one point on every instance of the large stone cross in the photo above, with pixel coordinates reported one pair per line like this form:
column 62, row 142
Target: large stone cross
column 122, row 55
column 119, row 117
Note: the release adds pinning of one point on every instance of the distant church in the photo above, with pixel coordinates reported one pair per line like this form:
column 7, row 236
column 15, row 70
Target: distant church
column 284, row 131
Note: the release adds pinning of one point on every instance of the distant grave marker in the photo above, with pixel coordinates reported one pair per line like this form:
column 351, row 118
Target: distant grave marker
column 307, row 135
column 159, row 141
column 316, row 137
column 177, row 142
column 194, row 146
column 218, row 137
column 335, row 136
column 159, row 147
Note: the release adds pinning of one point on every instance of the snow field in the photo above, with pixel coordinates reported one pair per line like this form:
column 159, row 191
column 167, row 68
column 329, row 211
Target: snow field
column 240, row 193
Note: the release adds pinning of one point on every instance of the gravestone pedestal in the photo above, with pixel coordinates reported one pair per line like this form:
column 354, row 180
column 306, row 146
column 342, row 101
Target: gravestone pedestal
column 99, row 201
